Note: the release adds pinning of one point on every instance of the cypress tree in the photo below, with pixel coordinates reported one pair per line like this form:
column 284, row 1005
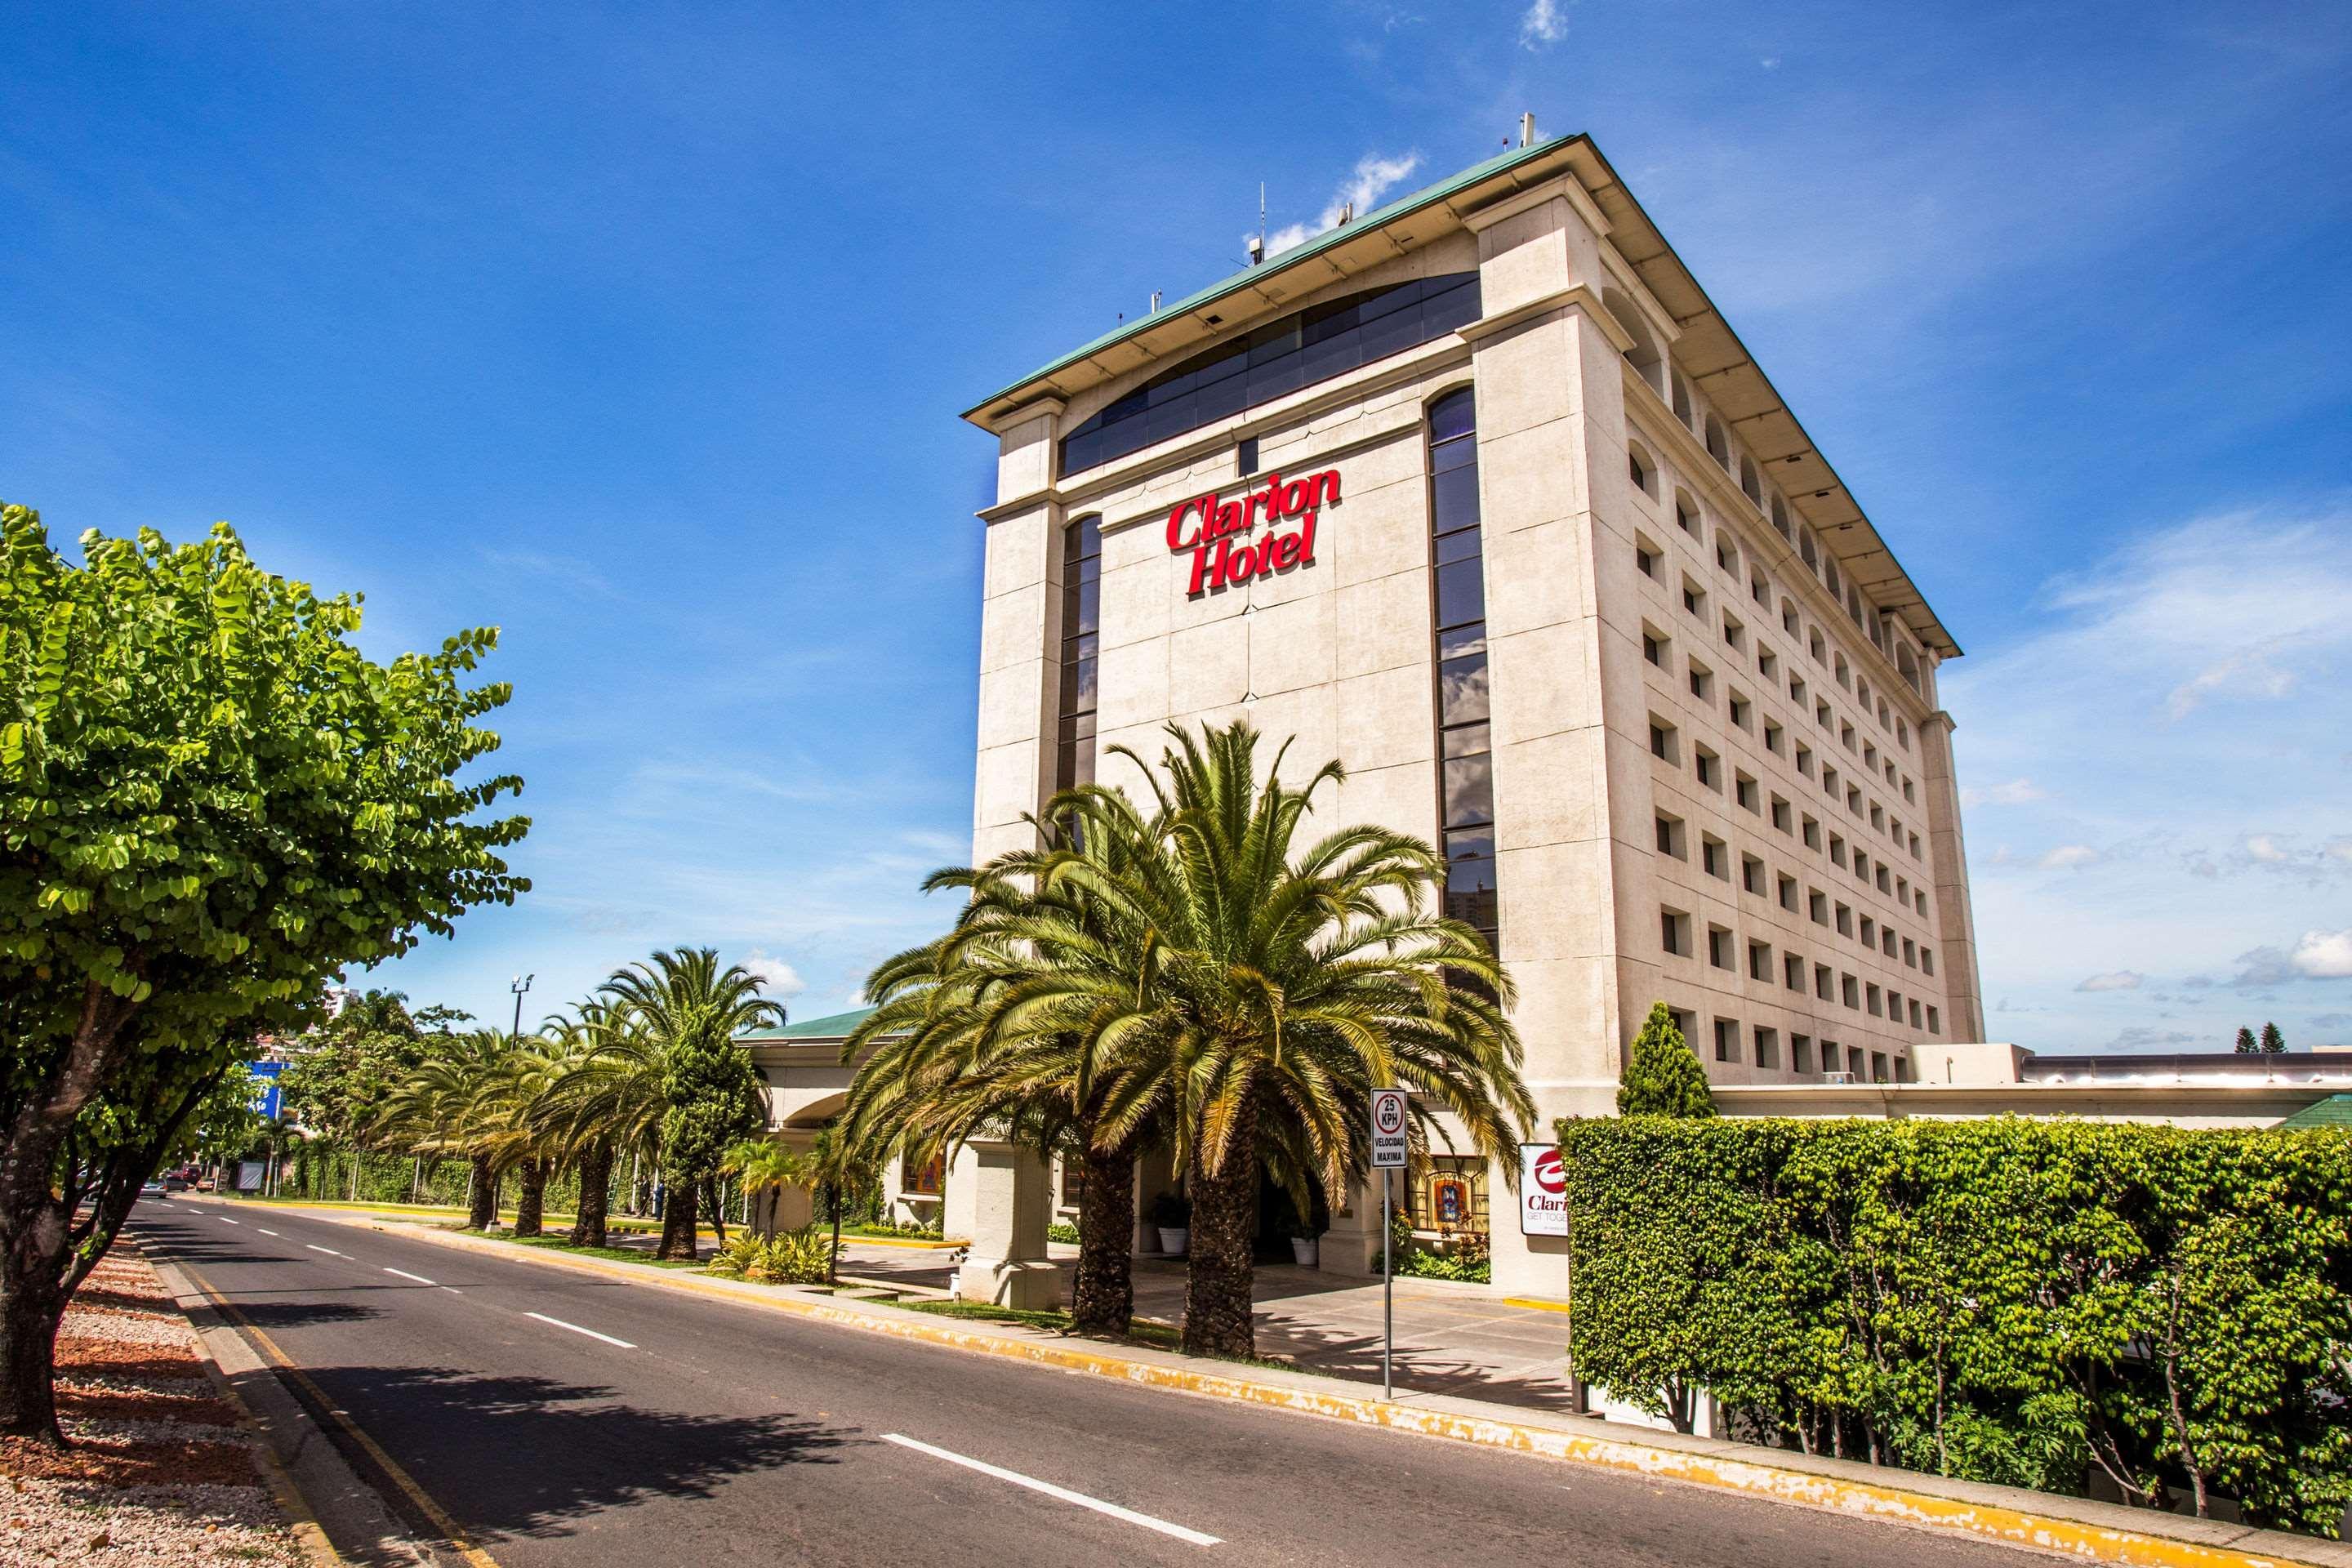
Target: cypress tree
column 1663, row 1078
column 2274, row 1043
column 2246, row 1045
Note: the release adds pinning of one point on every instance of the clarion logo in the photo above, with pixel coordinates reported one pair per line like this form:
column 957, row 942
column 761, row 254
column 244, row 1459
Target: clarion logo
column 1218, row 563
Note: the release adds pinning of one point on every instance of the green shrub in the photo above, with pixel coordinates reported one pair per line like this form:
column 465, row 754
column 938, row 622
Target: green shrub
column 788, row 1258
column 1062, row 1230
column 2013, row 1301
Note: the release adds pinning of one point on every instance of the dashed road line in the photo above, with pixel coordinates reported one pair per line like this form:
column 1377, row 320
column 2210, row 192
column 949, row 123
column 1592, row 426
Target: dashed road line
column 576, row 1329
column 328, row 1250
column 266, row 1230
column 1063, row 1493
column 404, row 1274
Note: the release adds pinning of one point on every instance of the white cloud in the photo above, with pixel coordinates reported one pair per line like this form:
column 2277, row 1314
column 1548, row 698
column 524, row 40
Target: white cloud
column 1372, row 178
column 1545, row 22
column 2067, row 855
column 2323, row 955
column 2016, row 792
column 778, row 979
column 2115, row 980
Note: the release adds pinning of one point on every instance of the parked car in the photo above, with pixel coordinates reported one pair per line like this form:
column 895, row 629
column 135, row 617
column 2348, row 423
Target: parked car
column 152, row 1187
column 174, row 1183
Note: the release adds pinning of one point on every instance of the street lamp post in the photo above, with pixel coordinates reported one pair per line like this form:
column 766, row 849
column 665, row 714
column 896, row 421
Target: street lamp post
column 521, row 984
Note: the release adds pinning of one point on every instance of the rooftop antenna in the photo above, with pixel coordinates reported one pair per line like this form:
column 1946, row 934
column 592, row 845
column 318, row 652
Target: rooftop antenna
column 1257, row 244
column 1526, row 130
column 1155, row 301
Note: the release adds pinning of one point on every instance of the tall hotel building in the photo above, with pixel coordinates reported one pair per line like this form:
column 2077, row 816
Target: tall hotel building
column 1479, row 494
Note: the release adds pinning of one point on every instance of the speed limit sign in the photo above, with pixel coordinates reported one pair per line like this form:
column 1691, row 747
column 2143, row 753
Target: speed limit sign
column 1388, row 1129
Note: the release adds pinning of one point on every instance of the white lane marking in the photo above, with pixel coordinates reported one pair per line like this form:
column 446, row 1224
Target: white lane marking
column 265, row 1230
column 328, row 1250
column 227, row 1221
column 404, row 1274
column 576, row 1329
column 1050, row 1489
column 453, row 1289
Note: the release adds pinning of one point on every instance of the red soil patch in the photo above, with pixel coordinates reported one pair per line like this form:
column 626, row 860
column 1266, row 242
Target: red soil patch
column 114, row 1463
column 111, row 1405
column 116, row 1359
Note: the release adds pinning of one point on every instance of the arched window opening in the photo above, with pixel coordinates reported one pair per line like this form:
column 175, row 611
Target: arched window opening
column 1682, row 400
column 1718, row 444
column 1311, row 345
column 1465, row 787
column 1074, row 760
column 1643, row 472
column 1643, row 356
column 1807, row 550
column 1748, row 480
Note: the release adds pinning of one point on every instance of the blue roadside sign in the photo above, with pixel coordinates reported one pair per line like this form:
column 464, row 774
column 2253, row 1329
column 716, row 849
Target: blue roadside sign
column 266, row 1097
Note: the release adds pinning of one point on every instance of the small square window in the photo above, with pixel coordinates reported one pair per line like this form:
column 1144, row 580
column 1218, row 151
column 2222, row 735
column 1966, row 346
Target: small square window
column 1792, row 973
column 1727, row 1040
column 1751, row 875
column 1767, row 1048
column 1718, row 947
column 1788, row 894
column 1675, row 931
column 1713, row 858
column 1801, row 1054
column 1670, row 835
column 1710, row 768
column 1760, row 961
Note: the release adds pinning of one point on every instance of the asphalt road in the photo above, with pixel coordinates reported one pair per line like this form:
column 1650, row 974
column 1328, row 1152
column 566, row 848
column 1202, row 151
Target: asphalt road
column 562, row 1418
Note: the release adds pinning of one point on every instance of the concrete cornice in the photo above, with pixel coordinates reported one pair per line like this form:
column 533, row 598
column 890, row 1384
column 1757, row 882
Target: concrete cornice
column 1027, row 412
column 1028, row 501
column 1579, row 298
column 1564, row 186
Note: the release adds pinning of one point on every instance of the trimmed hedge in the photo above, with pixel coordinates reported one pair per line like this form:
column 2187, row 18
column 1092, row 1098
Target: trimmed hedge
column 2023, row 1302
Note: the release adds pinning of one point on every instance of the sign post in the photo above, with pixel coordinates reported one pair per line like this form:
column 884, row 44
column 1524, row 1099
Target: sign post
column 1388, row 1155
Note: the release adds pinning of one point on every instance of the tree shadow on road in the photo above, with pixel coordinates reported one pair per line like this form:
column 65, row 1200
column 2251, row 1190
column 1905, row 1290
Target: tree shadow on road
column 509, row 1454
column 1418, row 1367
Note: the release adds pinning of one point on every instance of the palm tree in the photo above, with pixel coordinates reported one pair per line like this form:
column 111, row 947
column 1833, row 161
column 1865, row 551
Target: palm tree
column 1000, row 1026
column 518, row 1085
column 589, row 1113
column 454, row 1104
column 1267, row 991
column 679, row 1053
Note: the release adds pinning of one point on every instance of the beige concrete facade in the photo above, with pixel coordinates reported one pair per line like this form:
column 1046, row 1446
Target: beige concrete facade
column 1713, row 691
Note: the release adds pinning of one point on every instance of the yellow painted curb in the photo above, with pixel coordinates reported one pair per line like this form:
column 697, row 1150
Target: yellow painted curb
column 2073, row 1538
column 300, row 1519
column 1535, row 1302
column 434, row 1512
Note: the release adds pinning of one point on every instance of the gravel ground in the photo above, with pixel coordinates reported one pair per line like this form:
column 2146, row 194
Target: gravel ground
column 159, row 1473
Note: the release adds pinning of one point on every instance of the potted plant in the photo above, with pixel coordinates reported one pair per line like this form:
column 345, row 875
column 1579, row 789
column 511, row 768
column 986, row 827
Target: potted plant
column 1304, row 1244
column 1172, row 1212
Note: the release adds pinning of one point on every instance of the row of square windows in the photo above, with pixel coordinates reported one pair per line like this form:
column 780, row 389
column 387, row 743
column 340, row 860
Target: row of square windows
column 1666, row 746
column 1820, row 908
column 1874, row 1067
column 1657, row 644
column 1828, row 984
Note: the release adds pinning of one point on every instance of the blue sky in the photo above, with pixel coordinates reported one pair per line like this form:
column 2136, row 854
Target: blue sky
column 641, row 331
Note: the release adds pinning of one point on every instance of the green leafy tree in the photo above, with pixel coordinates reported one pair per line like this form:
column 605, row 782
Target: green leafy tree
column 1662, row 1078
column 2274, row 1043
column 210, row 803
column 684, row 1013
column 589, row 1113
column 338, row 1073
column 2246, row 1045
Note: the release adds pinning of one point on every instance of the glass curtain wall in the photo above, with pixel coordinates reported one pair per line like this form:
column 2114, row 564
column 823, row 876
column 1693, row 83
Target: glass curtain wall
column 1073, row 762
column 1465, row 781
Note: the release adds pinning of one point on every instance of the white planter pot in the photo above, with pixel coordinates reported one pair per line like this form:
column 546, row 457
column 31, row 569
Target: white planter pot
column 1172, row 1242
column 1305, row 1248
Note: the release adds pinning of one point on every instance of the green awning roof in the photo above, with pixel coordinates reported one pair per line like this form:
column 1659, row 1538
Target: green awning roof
column 830, row 1027
column 2335, row 1110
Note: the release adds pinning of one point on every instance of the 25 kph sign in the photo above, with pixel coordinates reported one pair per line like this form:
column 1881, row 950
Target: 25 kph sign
column 1388, row 1129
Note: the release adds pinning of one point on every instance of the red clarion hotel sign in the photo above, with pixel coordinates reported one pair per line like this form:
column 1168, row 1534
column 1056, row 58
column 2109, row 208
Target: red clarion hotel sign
column 1207, row 527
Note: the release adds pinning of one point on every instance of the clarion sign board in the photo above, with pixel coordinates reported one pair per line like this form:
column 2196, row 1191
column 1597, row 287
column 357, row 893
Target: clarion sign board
column 1543, row 1191
column 1206, row 527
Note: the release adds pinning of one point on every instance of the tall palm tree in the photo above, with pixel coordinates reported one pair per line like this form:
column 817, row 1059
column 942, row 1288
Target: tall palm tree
column 680, row 1053
column 588, row 1112
column 1001, row 1024
column 1253, row 992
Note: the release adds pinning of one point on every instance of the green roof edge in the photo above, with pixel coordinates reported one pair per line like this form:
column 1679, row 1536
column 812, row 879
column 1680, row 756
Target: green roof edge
column 2335, row 1110
column 1283, row 260
column 832, row 1026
